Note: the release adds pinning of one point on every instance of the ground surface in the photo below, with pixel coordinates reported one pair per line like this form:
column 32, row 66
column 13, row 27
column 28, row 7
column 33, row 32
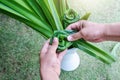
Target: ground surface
column 20, row 45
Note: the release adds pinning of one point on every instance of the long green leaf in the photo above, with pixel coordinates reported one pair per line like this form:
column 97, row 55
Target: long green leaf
column 36, row 27
column 94, row 51
column 57, row 5
column 63, row 6
column 24, row 4
column 3, row 7
column 43, row 31
column 34, row 5
column 55, row 15
column 47, row 13
column 86, row 16
column 23, row 11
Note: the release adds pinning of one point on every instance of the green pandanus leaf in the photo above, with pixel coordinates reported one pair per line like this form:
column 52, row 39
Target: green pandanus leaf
column 70, row 17
column 85, row 17
column 94, row 51
column 55, row 15
column 37, row 9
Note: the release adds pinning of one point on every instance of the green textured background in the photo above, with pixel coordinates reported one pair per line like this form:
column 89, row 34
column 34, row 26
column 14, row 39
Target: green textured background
column 20, row 46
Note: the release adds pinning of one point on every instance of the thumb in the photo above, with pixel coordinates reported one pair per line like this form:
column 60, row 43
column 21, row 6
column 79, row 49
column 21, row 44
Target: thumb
column 52, row 48
column 74, row 36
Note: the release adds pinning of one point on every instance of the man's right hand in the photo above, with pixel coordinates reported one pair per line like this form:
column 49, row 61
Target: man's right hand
column 90, row 31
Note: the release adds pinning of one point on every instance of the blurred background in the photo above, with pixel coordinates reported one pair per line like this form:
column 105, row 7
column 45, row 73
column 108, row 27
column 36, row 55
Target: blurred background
column 20, row 46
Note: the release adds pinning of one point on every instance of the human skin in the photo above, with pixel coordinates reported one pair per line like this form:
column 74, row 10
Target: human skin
column 95, row 32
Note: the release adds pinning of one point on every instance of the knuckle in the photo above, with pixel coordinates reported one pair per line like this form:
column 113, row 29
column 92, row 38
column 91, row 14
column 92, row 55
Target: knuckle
column 84, row 33
column 77, row 35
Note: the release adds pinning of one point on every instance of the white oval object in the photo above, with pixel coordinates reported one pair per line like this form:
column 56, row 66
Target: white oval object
column 71, row 60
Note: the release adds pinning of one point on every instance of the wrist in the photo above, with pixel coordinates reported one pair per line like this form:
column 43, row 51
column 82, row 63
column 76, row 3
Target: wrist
column 112, row 32
column 103, row 31
column 48, row 74
column 106, row 31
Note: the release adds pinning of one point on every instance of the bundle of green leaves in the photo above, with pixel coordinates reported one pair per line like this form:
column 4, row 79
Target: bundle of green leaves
column 50, row 18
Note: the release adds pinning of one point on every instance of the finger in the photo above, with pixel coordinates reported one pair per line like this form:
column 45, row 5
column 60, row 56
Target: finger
column 61, row 55
column 74, row 36
column 52, row 48
column 44, row 48
column 74, row 26
column 77, row 25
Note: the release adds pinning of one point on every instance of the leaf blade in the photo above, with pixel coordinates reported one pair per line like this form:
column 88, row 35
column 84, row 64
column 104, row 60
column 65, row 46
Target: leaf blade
column 55, row 15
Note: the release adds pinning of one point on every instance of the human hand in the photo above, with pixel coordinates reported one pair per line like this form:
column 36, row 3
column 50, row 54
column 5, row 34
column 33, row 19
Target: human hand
column 50, row 61
column 89, row 31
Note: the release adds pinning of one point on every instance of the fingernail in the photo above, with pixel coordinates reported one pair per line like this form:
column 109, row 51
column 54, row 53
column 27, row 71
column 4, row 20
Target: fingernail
column 69, row 38
column 55, row 39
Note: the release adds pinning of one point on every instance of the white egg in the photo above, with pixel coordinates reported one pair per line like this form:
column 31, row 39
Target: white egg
column 71, row 60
